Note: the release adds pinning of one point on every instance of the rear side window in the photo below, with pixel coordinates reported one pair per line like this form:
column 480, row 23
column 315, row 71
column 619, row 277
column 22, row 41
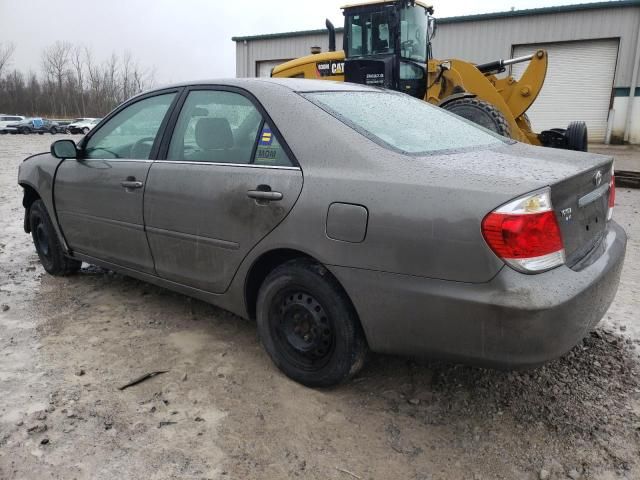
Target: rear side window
column 403, row 123
column 224, row 127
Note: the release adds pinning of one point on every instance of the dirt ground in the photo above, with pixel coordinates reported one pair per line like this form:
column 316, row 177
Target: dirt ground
column 223, row 410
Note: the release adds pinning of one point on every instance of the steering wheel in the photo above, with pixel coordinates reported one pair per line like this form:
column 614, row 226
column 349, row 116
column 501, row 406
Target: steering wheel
column 142, row 148
column 407, row 45
column 115, row 155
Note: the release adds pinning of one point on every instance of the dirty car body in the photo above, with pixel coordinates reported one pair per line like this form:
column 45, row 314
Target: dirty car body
column 323, row 213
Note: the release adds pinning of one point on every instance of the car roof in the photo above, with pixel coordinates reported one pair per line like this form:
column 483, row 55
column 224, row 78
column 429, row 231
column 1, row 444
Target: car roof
column 293, row 84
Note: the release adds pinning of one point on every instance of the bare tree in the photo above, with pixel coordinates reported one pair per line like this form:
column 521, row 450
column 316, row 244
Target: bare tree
column 71, row 83
column 55, row 64
column 6, row 52
column 77, row 60
column 55, row 61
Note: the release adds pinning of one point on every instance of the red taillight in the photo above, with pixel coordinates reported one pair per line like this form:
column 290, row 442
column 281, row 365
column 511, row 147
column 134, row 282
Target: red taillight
column 612, row 194
column 525, row 233
column 522, row 236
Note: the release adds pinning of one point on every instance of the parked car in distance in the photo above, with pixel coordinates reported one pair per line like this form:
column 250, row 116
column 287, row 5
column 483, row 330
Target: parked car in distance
column 6, row 120
column 82, row 125
column 342, row 218
column 35, row 125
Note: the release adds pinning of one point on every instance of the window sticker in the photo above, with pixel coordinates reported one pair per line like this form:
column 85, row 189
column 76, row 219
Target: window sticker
column 266, row 137
column 269, row 151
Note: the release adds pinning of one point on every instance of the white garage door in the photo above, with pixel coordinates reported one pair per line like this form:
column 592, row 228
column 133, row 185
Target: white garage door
column 578, row 85
column 264, row 68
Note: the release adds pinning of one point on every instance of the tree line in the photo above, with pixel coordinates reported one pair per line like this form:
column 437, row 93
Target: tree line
column 70, row 82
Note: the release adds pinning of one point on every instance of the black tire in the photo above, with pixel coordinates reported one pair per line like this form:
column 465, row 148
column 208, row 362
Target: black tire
column 53, row 130
column 47, row 244
column 308, row 326
column 576, row 136
column 480, row 112
column 25, row 130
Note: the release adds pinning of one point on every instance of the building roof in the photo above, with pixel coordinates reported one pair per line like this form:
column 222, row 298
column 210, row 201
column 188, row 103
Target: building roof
column 468, row 18
column 369, row 2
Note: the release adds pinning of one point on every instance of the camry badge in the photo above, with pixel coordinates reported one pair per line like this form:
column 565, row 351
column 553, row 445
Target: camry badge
column 597, row 178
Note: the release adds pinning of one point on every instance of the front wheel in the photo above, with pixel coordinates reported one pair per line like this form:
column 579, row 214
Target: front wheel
column 308, row 326
column 47, row 244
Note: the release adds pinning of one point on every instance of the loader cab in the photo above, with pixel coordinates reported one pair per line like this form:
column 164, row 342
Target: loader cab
column 386, row 44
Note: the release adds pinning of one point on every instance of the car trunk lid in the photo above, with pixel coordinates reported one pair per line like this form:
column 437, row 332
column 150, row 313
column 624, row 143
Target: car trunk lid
column 581, row 203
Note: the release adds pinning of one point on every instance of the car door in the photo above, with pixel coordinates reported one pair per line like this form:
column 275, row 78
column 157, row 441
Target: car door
column 226, row 181
column 99, row 196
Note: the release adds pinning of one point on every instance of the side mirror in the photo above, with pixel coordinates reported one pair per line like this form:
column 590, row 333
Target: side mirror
column 64, row 149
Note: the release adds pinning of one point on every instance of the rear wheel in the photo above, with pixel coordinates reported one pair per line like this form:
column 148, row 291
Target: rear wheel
column 47, row 244
column 25, row 130
column 308, row 325
column 53, row 130
column 480, row 112
column 576, row 136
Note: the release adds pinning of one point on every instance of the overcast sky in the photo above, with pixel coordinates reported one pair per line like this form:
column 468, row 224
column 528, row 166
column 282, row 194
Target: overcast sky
column 182, row 39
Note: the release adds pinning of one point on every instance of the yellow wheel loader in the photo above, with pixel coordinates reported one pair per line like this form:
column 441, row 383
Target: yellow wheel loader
column 388, row 43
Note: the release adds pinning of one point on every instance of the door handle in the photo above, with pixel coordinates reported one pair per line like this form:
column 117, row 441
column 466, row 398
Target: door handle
column 265, row 195
column 131, row 184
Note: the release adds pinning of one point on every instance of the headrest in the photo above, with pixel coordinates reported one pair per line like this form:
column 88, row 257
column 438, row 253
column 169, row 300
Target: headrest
column 213, row 134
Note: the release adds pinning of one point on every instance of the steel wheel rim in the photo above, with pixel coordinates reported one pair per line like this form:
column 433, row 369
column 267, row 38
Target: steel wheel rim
column 42, row 239
column 302, row 329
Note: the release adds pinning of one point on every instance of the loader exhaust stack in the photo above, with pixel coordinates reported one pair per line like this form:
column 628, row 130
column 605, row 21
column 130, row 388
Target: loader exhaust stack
column 332, row 35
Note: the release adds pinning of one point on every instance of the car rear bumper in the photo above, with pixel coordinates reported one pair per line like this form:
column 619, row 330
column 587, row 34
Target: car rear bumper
column 513, row 320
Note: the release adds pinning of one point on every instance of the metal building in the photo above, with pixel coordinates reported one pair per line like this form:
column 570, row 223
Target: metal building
column 594, row 58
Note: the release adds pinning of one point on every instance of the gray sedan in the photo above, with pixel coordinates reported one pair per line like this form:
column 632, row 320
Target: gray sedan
column 342, row 218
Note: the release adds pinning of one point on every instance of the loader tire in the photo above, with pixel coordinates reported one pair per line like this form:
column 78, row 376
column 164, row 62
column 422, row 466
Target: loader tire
column 576, row 136
column 481, row 113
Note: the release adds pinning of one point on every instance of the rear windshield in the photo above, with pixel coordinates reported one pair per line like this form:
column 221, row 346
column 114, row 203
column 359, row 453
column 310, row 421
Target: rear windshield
column 403, row 123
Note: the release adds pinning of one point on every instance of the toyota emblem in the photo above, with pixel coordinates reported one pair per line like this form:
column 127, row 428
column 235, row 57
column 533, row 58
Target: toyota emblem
column 597, row 178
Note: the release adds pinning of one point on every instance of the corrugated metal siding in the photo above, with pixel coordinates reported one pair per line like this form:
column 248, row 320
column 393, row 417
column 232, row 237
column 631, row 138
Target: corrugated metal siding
column 486, row 40
column 278, row 49
column 483, row 40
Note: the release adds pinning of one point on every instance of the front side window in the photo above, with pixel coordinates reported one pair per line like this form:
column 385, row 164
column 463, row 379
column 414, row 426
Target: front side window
column 403, row 123
column 223, row 127
column 369, row 34
column 131, row 132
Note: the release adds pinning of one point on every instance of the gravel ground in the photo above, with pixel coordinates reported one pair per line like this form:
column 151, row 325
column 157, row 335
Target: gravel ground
column 223, row 411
